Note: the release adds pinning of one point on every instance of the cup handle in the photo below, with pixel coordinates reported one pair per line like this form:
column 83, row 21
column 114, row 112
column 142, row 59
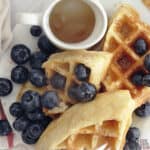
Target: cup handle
column 29, row 18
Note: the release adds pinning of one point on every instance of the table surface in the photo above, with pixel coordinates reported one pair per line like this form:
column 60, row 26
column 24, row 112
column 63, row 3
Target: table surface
column 26, row 6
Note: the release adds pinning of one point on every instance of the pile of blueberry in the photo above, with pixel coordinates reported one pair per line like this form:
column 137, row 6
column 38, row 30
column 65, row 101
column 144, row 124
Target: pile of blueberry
column 21, row 55
column 132, row 139
column 82, row 92
column 29, row 116
column 30, row 120
column 140, row 78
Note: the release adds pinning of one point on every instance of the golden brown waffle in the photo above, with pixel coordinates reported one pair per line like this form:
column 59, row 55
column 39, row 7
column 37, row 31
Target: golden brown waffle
column 88, row 126
column 64, row 64
column 146, row 3
column 124, row 30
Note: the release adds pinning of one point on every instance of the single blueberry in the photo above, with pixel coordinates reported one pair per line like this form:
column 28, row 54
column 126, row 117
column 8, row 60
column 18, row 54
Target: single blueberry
column 46, row 46
column 50, row 99
column 20, row 54
column 137, row 78
column 35, row 115
column 146, row 80
column 35, row 30
column 5, row 87
column 58, row 81
column 46, row 121
column 147, row 62
column 16, row 110
column 26, row 139
column 30, row 101
column 82, row 72
column 83, row 92
column 132, row 146
column 37, row 77
column 133, row 134
column 140, row 46
column 21, row 123
column 5, row 128
column 19, row 74
column 37, row 60
column 32, row 133
column 144, row 110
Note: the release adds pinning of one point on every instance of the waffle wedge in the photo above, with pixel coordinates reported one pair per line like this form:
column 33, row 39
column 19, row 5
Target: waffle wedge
column 102, row 121
column 64, row 64
column 125, row 28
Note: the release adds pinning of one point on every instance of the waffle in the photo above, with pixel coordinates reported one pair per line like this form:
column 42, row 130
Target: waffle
column 125, row 28
column 64, row 64
column 146, row 3
column 102, row 121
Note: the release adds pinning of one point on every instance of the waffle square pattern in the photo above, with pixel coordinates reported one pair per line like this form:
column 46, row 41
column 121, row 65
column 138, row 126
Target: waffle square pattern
column 125, row 29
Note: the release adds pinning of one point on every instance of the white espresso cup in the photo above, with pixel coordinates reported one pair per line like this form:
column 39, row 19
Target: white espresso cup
column 42, row 19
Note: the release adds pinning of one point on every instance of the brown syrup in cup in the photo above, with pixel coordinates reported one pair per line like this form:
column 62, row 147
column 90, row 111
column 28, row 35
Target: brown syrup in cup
column 72, row 21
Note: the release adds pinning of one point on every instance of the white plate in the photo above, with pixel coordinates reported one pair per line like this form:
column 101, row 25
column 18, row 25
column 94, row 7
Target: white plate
column 22, row 35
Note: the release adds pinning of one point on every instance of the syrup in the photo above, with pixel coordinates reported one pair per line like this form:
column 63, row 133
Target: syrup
column 72, row 21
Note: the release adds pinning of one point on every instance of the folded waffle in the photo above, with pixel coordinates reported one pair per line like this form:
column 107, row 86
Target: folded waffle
column 64, row 64
column 91, row 125
column 126, row 28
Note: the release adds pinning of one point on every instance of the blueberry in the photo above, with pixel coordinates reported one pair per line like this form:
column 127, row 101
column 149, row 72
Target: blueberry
column 147, row 62
column 20, row 54
column 50, row 99
column 36, row 30
column 16, row 109
column 32, row 133
column 37, row 77
column 46, row 46
column 35, row 115
column 83, row 92
column 30, row 101
column 21, row 123
column 5, row 87
column 144, row 110
column 140, row 46
column 82, row 72
column 37, row 60
column 45, row 121
column 146, row 80
column 58, row 81
column 19, row 74
column 132, row 146
column 137, row 78
column 133, row 134
column 5, row 128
